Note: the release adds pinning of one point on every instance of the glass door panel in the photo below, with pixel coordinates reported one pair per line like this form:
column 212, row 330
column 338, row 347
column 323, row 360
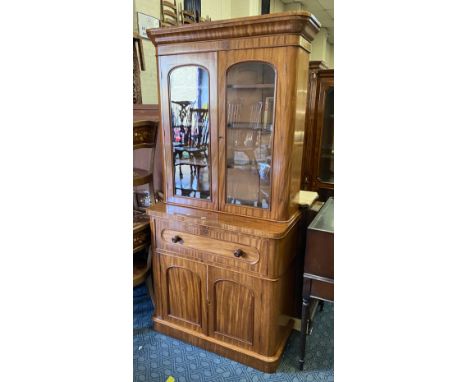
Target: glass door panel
column 190, row 131
column 326, row 170
column 250, row 97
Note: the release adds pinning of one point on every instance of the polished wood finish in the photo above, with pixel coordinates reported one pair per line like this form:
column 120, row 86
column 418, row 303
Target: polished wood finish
column 320, row 80
column 225, row 275
column 290, row 63
column 296, row 23
column 187, row 279
column 244, row 298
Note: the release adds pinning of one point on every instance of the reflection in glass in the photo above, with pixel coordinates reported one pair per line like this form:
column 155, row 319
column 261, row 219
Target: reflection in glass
column 250, row 117
column 326, row 171
column 189, row 98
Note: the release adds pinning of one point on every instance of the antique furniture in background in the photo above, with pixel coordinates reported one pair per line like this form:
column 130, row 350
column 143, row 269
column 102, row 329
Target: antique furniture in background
column 146, row 112
column 225, row 241
column 144, row 138
column 318, row 267
column 169, row 14
column 318, row 163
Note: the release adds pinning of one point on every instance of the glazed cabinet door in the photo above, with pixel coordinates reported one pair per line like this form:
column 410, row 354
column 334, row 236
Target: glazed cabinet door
column 257, row 103
column 235, row 309
column 188, row 113
column 182, row 286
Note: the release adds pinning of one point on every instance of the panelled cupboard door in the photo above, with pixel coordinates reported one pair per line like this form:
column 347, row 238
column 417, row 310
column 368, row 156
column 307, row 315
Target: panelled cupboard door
column 188, row 87
column 183, row 289
column 235, row 308
column 256, row 103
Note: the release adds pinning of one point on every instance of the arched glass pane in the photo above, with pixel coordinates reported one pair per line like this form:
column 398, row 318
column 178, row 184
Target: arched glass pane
column 250, row 95
column 190, row 128
column 326, row 167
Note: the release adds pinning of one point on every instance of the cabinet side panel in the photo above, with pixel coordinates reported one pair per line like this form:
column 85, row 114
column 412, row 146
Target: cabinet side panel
column 309, row 132
column 302, row 74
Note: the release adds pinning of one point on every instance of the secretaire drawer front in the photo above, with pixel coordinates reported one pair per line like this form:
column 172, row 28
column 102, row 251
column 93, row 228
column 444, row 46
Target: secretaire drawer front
column 209, row 245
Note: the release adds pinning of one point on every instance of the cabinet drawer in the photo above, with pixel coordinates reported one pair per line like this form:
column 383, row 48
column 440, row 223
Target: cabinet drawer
column 209, row 245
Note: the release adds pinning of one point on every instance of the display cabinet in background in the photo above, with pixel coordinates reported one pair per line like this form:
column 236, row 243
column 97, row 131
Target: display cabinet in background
column 318, row 159
column 233, row 98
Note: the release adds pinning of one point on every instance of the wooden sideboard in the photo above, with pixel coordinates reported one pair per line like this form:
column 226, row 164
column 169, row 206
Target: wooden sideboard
column 233, row 98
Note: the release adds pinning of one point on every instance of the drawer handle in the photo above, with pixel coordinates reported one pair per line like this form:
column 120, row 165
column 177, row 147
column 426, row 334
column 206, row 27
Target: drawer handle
column 238, row 253
column 177, row 239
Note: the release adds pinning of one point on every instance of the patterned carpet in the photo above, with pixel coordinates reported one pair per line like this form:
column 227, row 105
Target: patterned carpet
column 156, row 356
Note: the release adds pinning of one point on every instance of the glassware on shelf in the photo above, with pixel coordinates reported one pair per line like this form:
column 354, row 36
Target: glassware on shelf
column 250, row 94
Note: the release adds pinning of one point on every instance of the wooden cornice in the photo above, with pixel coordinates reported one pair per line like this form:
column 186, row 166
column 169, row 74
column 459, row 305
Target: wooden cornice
column 299, row 23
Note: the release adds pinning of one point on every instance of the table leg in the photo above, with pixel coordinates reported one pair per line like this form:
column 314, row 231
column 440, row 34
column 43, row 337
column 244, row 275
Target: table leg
column 304, row 319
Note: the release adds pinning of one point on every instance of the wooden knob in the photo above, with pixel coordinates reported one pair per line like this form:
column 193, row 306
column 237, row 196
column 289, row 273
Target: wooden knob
column 177, row 239
column 238, row 252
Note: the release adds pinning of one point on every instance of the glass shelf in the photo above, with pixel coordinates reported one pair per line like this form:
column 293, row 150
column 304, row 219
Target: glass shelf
column 251, row 86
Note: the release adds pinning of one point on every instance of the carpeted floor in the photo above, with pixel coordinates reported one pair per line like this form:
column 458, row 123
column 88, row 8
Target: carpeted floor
column 156, row 356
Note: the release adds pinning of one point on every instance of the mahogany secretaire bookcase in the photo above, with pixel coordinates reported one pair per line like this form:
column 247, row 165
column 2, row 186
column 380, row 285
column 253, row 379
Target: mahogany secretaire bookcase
column 233, row 98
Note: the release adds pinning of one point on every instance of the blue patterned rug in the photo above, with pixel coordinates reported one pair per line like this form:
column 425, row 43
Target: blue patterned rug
column 156, row 356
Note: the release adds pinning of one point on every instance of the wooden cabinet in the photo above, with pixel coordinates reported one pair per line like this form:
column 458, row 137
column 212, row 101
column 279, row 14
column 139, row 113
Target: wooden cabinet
column 232, row 97
column 318, row 160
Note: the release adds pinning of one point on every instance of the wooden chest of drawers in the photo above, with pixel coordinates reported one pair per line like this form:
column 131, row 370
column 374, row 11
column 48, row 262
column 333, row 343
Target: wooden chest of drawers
column 225, row 282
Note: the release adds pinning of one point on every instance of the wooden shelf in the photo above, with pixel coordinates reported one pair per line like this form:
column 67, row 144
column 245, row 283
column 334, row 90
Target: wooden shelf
column 253, row 86
column 248, row 126
column 141, row 176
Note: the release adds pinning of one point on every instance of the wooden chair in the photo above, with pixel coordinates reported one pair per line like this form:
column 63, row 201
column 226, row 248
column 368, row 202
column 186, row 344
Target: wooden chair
column 194, row 149
column 169, row 14
column 187, row 16
column 144, row 137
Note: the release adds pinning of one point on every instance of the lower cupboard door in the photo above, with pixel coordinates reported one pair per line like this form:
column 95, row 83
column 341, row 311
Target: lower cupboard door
column 235, row 309
column 183, row 287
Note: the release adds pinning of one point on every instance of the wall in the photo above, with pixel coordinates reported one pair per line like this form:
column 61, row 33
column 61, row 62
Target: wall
column 277, row 6
column 322, row 50
column 149, row 78
column 218, row 10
